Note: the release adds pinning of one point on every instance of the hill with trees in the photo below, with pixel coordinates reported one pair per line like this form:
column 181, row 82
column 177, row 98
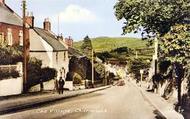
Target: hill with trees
column 119, row 47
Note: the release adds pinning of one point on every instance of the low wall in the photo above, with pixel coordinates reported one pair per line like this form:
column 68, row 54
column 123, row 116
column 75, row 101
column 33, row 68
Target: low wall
column 49, row 85
column 69, row 85
column 11, row 86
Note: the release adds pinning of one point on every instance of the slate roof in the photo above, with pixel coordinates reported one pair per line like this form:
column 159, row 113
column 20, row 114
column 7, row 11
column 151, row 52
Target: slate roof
column 51, row 39
column 74, row 52
column 9, row 16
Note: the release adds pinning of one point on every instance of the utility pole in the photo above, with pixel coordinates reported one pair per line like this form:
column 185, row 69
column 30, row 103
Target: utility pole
column 58, row 30
column 92, row 67
column 156, row 55
column 24, row 47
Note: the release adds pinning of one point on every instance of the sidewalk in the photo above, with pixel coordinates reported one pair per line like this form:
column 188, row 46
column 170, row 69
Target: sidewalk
column 17, row 103
column 164, row 107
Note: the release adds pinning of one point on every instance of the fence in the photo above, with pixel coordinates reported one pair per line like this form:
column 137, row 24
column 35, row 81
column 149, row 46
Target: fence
column 11, row 82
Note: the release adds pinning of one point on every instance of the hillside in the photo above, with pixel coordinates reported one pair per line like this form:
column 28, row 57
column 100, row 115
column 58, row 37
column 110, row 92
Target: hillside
column 101, row 44
column 111, row 44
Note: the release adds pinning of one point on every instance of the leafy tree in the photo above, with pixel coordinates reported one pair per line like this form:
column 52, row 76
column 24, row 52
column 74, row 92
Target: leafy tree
column 161, row 18
column 86, row 47
column 104, row 55
column 37, row 74
column 135, row 65
column 175, row 47
column 152, row 16
column 10, row 55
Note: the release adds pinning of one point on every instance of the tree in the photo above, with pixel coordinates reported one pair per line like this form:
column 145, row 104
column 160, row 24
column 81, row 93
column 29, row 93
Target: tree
column 165, row 19
column 10, row 55
column 152, row 16
column 135, row 65
column 86, row 47
column 175, row 47
column 37, row 74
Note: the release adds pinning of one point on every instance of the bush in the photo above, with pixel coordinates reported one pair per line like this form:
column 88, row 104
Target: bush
column 10, row 55
column 77, row 79
column 100, row 69
column 135, row 65
column 104, row 55
column 8, row 73
column 36, row 74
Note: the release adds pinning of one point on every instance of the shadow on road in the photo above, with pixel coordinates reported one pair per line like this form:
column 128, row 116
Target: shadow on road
column 49, row 103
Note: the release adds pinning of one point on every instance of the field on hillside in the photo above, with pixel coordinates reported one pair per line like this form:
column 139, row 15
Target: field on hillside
column 108, row 44
column 101, row 44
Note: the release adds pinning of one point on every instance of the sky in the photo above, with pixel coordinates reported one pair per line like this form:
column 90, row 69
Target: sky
column 77, row 18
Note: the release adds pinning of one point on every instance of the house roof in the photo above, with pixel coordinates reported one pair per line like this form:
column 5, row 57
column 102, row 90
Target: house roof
column 74, row 52
column 8, row 16
column 51, row 39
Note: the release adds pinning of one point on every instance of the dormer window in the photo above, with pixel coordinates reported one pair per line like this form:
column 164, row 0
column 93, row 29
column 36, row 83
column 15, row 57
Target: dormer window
column 20, row 38
column 9, row 37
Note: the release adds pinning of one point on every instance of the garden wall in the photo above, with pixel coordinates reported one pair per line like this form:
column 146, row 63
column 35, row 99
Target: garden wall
column 11, row 85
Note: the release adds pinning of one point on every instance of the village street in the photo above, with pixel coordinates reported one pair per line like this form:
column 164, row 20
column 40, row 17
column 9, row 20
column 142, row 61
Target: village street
column 117, row 102
column 117, row 59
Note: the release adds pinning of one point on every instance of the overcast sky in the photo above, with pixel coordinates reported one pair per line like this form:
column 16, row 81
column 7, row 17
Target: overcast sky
column 78, row 18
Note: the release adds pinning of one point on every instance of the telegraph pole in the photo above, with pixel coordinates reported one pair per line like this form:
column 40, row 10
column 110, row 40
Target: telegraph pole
column 156, row 55
column 24, row 47
column 92, row 68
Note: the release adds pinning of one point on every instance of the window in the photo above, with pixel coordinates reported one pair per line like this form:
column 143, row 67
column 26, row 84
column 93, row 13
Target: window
column 21, row 38
column 64, row 56
column 9, row 36
column 56, row 57
column 1, row 38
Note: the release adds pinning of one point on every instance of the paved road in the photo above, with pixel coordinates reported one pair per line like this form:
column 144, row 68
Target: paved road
column 125, row 102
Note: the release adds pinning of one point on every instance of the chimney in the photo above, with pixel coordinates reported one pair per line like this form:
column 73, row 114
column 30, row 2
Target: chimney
column 69, row 41
column 30, row 19
column 2, row 2
column 60, row 37
column 47, row 25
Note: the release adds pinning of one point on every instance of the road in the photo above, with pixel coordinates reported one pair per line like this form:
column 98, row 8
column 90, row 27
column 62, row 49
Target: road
column 118, row 102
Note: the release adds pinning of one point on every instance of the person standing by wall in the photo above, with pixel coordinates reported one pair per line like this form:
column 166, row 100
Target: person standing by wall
column 56, row 85
column 61, row 85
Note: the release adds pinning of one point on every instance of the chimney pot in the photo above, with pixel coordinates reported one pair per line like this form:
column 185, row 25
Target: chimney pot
column 47, row 24
column 30, row 19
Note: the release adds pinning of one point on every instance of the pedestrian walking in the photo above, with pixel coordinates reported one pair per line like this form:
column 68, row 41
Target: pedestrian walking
column 61, row 85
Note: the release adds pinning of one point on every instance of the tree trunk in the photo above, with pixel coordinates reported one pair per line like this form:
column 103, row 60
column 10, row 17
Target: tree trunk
column 41, row 85
column 179, row 73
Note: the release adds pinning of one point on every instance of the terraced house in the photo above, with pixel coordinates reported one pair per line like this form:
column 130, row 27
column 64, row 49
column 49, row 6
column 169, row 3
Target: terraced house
column 10, row 26
column 44, row 44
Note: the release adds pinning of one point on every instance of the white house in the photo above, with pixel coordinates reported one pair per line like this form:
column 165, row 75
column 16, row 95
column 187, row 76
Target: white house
column 49, row 48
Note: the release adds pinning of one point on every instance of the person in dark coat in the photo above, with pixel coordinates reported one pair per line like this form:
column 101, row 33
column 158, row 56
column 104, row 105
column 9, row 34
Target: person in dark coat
column 61, row 85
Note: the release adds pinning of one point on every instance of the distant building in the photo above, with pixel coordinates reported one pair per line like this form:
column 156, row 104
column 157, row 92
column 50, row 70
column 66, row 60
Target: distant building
column 69, row 41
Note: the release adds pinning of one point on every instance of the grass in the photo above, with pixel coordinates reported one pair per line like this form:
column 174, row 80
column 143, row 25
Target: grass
column 101, row 44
